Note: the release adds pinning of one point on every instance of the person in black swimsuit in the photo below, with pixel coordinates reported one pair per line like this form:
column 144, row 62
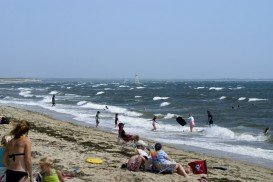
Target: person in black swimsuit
column 53, row 100
column 17, row 156
column 210, row 118
column 116, row 120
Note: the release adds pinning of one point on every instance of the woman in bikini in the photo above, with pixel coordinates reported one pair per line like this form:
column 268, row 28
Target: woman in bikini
column 17, row 156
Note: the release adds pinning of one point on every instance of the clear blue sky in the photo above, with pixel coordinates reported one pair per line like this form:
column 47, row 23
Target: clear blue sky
column 153, row 38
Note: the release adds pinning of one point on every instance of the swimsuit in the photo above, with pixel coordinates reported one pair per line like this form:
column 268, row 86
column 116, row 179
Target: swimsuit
column 133, row 165
column 13, row 155
column 15, row 176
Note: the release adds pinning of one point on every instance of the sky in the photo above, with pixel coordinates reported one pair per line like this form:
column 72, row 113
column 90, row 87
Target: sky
column 156, row 39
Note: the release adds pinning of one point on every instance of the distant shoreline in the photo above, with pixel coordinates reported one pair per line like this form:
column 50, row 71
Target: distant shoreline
column 17, row 80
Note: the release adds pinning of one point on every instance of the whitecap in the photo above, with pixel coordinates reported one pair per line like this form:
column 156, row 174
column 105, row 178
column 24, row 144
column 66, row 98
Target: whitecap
column 81, row 103
column 160, row 98
column 255, row 99
column 237, row 88
column 164, row 104
column 216, row 88
column 140, row 87
column 223, row 97
column 25, row 92
column 137, row 96
column 99, row 93
column 242, row 98
column 123, row 86
column 169, row 116
column 198, row 88
column 53, row 92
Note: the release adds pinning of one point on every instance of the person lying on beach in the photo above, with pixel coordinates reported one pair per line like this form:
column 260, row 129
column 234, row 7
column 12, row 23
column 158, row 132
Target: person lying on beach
column 48, row 173
column 126, row 137
column 164, row 163
column 5, row 140
column 17, row 155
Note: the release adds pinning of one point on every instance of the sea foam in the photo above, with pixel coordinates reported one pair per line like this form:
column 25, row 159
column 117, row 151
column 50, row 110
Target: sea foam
column 160, row 98
column 164, row 104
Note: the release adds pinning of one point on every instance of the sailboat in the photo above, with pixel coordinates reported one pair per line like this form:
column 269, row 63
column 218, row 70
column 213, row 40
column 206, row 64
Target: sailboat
column 137, row 80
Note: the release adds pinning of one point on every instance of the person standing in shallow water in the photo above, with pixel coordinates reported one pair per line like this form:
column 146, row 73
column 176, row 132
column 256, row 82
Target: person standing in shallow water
column 192, row 122
column 154, row 121
column 53, row 100
column 97, row 118
column 210, row 118
column 116, row 120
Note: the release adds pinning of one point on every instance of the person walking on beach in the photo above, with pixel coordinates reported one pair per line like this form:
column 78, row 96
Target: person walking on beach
column 116, row 120
column 17, row 156
column 192, row 122
column 210, row 118
column 97, row 118
column 154, row 121
column 53, row 100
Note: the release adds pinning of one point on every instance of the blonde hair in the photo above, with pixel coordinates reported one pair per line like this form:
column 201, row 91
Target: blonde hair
column 20, row 129
column 5, row 140
column 46, row 160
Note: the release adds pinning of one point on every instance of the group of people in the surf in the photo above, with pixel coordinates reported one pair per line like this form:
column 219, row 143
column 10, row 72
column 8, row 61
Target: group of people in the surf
column 182, row 121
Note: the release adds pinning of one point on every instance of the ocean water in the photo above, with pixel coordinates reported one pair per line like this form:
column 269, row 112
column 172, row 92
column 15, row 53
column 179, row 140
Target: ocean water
column 241, row 110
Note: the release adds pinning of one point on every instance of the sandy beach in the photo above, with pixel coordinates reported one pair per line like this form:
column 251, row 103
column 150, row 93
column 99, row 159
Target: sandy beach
column 70, row 144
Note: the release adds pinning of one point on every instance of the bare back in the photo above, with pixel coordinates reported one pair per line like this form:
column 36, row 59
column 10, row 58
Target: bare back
column 18, row 153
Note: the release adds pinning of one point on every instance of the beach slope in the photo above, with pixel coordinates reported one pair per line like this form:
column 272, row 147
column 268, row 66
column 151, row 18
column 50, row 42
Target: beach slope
column 70, row 144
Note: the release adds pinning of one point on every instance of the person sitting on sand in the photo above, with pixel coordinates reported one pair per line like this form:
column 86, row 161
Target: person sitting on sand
column 164, row 162
column 141, row 148
column 5, row 140
column 124, row 136
column 17, row 156
column 135, row 162
column 49, row 174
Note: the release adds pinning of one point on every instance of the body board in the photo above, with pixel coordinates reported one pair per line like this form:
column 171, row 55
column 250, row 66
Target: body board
column 181, row 121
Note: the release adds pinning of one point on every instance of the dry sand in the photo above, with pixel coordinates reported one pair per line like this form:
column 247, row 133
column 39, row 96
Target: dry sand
column 70, row 144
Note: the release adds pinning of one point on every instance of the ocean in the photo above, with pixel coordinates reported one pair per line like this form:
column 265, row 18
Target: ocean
column 241, row 110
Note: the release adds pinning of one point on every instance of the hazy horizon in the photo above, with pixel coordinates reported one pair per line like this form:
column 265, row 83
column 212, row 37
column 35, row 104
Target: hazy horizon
column 155, row 39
